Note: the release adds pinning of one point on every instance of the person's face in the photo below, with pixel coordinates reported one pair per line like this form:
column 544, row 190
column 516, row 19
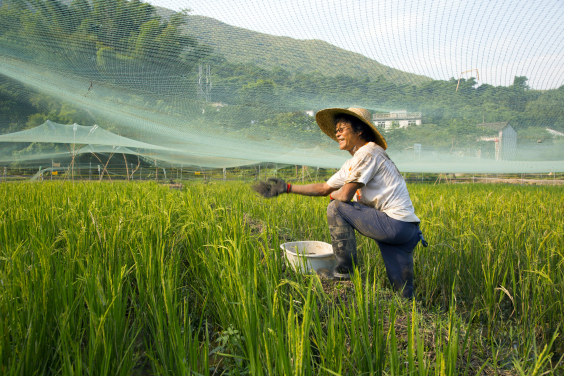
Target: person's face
column 346, row 136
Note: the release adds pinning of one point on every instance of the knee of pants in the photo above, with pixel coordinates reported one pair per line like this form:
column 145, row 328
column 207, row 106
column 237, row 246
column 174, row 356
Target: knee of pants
column 334, row 217
column 332, row 209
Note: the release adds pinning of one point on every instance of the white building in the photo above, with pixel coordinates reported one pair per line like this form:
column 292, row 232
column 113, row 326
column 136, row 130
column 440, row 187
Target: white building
column 399, row 119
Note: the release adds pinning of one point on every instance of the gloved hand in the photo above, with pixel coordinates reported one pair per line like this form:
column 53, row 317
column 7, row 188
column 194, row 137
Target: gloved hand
column 271, row 188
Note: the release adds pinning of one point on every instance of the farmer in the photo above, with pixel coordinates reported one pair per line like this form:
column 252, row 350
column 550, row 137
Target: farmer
column 368, row 194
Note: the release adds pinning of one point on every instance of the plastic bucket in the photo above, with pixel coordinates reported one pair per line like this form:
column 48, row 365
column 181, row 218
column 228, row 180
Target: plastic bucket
column 309, row 256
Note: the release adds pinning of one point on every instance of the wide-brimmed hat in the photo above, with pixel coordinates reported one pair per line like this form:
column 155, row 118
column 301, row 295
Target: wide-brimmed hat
column 326, row 121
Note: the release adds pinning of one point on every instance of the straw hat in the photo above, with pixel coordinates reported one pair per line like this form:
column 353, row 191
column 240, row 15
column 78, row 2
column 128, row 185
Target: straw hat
column 325, row 120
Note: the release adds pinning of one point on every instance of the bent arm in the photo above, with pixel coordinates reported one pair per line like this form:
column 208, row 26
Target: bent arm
column 347, row 191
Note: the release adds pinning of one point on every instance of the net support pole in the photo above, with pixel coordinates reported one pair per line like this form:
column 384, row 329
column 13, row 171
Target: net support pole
column 52, row 169
column 140, row 173
column 5, row 173
column 90, row 171
column 181, row 173
column 224, row 174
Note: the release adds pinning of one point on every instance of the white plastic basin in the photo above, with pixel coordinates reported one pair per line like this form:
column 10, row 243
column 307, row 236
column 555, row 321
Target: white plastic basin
column 309, row 255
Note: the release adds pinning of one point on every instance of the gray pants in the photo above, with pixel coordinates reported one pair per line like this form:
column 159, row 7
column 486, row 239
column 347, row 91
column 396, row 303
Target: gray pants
column 396, row 240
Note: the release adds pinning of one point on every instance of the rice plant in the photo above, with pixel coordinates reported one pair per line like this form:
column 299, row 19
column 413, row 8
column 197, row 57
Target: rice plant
column 138, row 279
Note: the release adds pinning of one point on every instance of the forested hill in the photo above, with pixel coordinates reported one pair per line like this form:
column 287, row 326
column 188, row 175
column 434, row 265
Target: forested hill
column 240, row 45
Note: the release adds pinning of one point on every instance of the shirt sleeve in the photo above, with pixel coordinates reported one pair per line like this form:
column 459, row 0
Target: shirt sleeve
column 362, row 169
column 338, row 179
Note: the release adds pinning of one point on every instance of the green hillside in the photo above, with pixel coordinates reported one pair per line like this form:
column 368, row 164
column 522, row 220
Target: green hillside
column 240, row 45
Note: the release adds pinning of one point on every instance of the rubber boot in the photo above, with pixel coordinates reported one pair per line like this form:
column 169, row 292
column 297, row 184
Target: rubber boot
column 399, row 268
column 344, row 249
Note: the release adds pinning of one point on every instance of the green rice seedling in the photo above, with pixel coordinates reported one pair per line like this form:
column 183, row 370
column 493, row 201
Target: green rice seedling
column 101, row 278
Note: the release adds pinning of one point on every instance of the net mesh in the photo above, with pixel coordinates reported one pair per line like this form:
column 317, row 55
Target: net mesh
column 452, row 86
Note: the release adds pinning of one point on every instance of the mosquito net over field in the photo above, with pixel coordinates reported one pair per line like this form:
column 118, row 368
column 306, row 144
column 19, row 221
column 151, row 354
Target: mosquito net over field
column 453, row 86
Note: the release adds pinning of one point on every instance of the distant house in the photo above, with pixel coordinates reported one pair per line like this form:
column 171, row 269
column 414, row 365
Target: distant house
column 310, row 113
column 400, row 119
column 504, row 137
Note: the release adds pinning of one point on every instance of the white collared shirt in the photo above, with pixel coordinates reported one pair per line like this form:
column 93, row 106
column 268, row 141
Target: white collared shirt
column 384, row 188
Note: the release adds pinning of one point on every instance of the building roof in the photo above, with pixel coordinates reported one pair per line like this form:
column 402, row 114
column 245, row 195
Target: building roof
column 494, row 126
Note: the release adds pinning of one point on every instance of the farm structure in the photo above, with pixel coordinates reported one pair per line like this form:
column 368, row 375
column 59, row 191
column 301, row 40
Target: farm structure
column 504, row 137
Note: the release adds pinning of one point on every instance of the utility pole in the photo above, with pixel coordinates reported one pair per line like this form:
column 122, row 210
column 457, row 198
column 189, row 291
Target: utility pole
column 204, row 83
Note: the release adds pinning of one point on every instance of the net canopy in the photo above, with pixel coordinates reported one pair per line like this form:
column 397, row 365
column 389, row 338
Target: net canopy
column 453, row 86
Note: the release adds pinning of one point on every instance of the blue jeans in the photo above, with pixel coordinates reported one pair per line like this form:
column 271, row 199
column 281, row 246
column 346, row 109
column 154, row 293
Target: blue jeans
column 396, row 240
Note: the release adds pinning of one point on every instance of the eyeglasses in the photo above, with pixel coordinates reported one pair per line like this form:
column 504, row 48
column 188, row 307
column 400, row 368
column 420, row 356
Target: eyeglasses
column 341, row 130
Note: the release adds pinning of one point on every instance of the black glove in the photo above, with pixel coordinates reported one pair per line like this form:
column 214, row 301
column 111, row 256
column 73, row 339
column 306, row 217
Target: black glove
column 271, row 188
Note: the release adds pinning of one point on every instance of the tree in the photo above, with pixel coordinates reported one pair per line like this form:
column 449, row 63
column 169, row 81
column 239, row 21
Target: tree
column 258, row 93
column 520, row 83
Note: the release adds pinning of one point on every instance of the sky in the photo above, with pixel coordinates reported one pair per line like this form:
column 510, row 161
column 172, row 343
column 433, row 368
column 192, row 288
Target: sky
column 436, row 38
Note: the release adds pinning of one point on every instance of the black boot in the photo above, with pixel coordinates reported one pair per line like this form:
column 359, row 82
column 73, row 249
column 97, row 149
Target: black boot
column 344, row 249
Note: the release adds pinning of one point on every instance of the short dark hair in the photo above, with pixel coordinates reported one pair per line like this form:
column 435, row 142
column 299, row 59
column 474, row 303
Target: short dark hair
column 357, row 125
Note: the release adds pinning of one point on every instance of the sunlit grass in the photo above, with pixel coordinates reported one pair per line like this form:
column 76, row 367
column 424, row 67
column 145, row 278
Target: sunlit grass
column 136, row 278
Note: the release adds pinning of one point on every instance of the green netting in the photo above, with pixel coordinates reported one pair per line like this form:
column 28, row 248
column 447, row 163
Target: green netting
column 454, row 87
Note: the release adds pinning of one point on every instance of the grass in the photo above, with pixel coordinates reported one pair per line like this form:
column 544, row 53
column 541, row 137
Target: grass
column 139, row 279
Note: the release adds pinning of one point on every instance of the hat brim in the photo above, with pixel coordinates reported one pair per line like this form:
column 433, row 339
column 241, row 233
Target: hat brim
column 326, row 122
